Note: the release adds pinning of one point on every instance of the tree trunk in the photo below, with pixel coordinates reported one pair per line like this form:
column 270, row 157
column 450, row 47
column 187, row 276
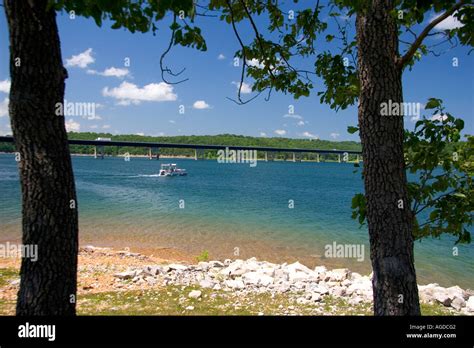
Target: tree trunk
column 388, row 212
column 49, row 216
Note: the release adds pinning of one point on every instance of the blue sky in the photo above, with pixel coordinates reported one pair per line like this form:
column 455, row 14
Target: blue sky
column 140, row 103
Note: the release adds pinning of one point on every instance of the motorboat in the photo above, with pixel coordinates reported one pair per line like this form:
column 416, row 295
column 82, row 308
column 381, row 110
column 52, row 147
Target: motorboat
column 171, row 169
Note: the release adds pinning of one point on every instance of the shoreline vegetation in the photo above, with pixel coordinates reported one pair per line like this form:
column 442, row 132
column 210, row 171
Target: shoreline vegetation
column 121, row 282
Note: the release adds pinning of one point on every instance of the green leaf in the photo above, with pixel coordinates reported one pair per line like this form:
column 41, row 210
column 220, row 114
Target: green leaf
column 352, row 129
column 433, row 103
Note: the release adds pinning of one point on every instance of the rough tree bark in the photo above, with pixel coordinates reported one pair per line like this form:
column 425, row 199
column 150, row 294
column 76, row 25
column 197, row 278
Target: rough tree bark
column 49, row 218
column 390, row 224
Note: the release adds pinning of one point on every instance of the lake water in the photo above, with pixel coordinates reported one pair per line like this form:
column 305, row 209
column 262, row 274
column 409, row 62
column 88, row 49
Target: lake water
column 231, row 210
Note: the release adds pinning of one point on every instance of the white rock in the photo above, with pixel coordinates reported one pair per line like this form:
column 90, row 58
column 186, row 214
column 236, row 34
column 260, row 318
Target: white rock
column 216, row 264
column 456, row 291
column 203, row 266
column 190, row 308
column 297, row 276
column 355, row 300
column 217, row 287
column 298, row 267
column 362, row 287
column 251, row 265
column 442, row 297
column 15, row 282
column 320, row 269
column 338, row 291
column 458, row 303
column 338, row 274
column 152, row 270
column 321, row 289
column 256, row 278
column 470, row 304
column 206, row 283
column 195, row 294
column 346, row 282
column 270, row 271
column 315, row 297
column 178, row 267
column 281, row 275
column 236, row 268
column 126, row 275
column 234, row 284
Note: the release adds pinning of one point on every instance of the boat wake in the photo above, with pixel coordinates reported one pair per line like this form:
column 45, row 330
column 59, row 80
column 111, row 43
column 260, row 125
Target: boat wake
column 145, row 176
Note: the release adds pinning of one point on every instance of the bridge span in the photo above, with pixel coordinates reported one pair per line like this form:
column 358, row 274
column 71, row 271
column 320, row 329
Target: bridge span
column 198, row 148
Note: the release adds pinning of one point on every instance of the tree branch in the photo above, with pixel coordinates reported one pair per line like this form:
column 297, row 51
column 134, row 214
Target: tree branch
column 166, row 69
column 402, row 61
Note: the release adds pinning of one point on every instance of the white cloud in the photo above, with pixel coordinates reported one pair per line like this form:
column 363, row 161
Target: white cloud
column 93, row 117
column 172, row 121
column 201, row 104
column 128, row 93
column 334, row 135
column 295, row 116
column 263, row 134
column 300, row 123
column 254, row 62
column 221, row 56
column 438, row 117
column 140, row 133
column 246, row 88
column 309, row 135
column 72, row 126
column 7, row 130
column 5, row 86
column 4, row 107
column 447, row 24
column 82, row 60
column 106, row 126
column 94, row 126
column 280, row 131
column 111, row 72
column 414, row 118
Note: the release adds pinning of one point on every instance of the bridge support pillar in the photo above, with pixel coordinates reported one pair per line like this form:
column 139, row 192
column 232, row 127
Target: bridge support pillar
column 317, row 157
column 266, row 156
column 294, row 157
column 198, row 154
column 150, row 152
column 358, row 159
column 99, row 152
column 339, row 158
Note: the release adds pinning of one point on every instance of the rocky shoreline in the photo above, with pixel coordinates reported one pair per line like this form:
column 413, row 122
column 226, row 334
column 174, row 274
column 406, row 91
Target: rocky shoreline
column 307, row 286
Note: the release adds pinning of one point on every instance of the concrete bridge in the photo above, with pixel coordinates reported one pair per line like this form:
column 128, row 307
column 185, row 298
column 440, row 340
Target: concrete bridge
column 154, row 148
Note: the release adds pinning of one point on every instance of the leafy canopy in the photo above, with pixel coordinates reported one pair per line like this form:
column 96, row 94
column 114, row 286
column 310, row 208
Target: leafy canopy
column 442, row 196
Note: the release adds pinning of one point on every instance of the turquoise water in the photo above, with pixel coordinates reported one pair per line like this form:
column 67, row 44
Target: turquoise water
column 231, row 210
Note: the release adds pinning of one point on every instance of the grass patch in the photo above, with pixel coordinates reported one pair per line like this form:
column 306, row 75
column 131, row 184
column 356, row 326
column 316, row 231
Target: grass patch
column 204, row 256
column 173, row 300
column 435, row 309
column 7, row 275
